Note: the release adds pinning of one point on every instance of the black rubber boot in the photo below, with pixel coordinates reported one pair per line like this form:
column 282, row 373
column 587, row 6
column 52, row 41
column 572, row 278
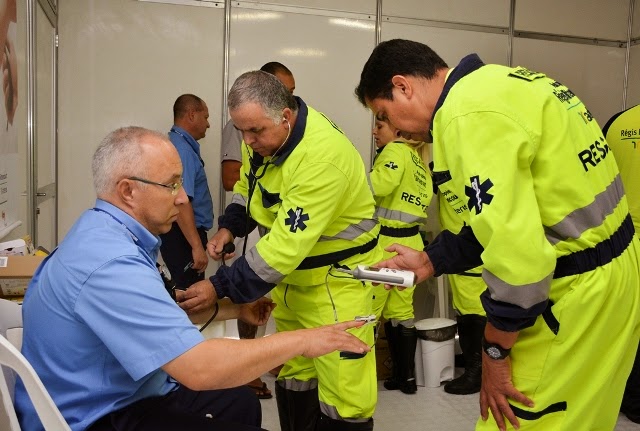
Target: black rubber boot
column 406, row 359
column 393, row 339
column 325, row 423
column 470, row 332
column 631, row 399
column 297, row 410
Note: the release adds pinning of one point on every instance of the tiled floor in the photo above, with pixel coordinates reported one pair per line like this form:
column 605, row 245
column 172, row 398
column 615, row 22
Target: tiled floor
column 431, row 409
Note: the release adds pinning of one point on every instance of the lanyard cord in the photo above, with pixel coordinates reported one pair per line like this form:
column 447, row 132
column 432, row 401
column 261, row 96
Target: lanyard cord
column 133, row 236
column 187, row 141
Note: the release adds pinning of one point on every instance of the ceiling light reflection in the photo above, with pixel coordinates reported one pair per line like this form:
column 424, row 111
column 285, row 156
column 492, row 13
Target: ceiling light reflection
column 302, row 52
column 258, row 16
column 353, row 23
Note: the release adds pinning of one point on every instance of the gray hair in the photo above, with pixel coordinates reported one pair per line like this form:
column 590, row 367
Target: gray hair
column 120, row 155
column 264, row 89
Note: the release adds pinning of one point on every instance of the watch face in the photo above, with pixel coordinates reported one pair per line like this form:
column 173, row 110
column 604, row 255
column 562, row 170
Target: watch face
column 494, row 353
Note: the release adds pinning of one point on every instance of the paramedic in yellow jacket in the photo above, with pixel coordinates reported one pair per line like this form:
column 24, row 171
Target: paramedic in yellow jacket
column 402, row 189
column 304, row 184
column 622, row 132
column 533, row 178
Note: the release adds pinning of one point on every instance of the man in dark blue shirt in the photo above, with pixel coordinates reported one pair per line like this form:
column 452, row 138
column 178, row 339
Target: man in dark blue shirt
column 183, row 247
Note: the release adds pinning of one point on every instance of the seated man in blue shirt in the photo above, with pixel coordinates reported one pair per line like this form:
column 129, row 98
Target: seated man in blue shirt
column 113, row 349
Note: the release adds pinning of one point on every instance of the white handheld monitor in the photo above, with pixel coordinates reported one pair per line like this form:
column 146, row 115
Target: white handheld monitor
column 395, row 277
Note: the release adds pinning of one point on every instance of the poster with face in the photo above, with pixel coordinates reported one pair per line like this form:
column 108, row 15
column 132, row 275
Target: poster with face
column 8, row 106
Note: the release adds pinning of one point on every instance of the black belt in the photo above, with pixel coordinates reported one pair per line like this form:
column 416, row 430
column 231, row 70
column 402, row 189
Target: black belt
column 321, row 260
column 399, row 232
column 591, row 258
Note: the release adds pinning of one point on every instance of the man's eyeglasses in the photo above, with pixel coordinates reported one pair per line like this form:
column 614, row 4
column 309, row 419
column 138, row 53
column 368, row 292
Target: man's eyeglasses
column 173, row 186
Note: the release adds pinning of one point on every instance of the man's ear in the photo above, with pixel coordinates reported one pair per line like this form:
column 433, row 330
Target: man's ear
column 125, row 190
column 191, row 115
column 403, row 85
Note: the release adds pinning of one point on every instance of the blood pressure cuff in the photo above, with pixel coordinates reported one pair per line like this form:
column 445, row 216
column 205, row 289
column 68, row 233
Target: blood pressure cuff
column 235, row 219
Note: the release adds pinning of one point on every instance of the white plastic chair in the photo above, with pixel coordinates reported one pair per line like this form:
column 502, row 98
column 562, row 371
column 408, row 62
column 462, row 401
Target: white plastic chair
column 12, row 362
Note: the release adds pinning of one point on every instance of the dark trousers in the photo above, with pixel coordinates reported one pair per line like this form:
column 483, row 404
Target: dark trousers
column 176, row 253
column 236, row 409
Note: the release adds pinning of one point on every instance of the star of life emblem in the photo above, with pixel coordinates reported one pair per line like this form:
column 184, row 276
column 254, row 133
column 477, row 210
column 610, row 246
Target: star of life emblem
column 478, row 193
column 296, row 219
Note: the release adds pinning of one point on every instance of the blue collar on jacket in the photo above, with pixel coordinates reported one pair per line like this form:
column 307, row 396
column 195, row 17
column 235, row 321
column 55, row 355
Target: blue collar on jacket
column 468, row 64
column 296, row 134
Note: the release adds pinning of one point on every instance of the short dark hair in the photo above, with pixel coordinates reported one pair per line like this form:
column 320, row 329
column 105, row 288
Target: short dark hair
column 273, row 67
column 184, row 103
column 395, row 57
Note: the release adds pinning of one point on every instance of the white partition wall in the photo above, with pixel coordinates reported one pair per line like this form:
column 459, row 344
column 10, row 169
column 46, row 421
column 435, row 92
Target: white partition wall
column 594, row 19
column 358, row 6
column 633, row 89
column 594, row 73
column 486, row 12
column 124, row 62
column 451, row 44
column 324, row 49
column 567, row 50
column 636, row 19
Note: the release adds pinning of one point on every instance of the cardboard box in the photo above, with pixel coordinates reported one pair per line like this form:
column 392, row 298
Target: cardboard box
column 15, row 274
column 383, row 360
column 16, row 247
column 384, row 365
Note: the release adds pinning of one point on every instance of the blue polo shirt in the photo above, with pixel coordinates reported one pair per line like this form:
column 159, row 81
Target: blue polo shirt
column 98, row 322
column 194, row 176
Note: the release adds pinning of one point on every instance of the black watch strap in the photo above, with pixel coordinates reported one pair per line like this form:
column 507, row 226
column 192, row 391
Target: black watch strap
column 494, row 351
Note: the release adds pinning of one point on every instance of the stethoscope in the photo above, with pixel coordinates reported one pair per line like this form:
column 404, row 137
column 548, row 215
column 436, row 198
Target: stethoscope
column 254, row 175
column 253, row 171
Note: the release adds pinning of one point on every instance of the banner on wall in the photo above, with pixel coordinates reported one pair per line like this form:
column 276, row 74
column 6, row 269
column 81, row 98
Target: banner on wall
column 8, row 134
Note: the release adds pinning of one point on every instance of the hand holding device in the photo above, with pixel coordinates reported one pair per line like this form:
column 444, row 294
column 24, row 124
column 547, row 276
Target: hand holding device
column 228, row 248
column 217, row 242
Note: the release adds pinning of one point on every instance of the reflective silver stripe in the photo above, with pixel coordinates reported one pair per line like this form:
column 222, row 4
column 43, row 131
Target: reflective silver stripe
column 582, row 219
column 261, row 268
column 239, row 199
column 524, row 296
column 332, row 412
column 369, row 182
column 407, row 323
column 399, row 216
column 296, row 385
column 352, row 231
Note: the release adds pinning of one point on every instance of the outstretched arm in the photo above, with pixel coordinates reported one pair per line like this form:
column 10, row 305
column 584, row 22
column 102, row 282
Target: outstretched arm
column 224, row 363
